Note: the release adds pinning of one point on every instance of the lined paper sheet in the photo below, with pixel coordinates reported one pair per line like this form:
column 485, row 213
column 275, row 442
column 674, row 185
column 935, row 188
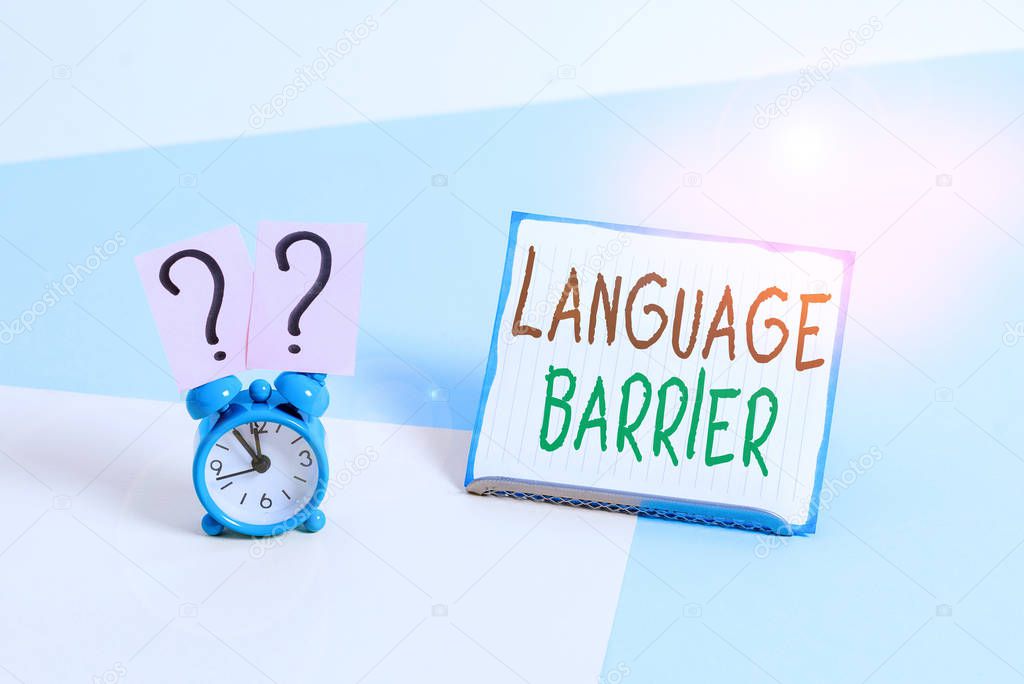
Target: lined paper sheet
column 510, row 442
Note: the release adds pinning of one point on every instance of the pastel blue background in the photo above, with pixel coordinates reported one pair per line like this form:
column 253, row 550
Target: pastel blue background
column 926, row 379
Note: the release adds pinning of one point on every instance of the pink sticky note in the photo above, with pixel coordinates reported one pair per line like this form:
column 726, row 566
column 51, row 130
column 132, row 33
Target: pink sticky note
column 202, row 342
column 306, row 297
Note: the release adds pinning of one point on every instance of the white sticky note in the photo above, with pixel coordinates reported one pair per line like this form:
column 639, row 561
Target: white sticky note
column 305, row 314
column 199, row 291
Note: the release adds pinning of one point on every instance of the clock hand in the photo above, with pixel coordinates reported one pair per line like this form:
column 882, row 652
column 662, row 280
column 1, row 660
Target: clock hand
column 255, row 456
column 240, row 472
column 256, row 436
column 260, row 463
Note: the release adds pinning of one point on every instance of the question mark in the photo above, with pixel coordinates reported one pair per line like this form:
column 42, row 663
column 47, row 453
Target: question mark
column 281, row 251
column 218, row 289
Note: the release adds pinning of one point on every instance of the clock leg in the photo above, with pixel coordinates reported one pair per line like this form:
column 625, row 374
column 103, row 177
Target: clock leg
column 211, row 526
column 315, row 522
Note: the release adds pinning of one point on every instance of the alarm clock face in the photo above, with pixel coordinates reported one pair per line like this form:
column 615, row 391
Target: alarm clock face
column 261, row 473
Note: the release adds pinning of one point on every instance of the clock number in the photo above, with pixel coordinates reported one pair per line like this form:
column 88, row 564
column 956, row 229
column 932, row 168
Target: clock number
column 265, row 501
column 216, row 465
column 308, row 459
column 258, row 428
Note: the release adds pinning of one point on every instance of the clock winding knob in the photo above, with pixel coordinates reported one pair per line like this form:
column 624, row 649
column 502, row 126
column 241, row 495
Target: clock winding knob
column 259, row 391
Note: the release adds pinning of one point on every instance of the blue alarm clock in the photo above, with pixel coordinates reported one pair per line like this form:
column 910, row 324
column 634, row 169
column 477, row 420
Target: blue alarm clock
column 260, row 465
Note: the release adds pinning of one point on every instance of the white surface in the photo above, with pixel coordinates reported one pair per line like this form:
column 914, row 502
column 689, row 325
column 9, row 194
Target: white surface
column 82, row 78
column 106, row 572
column 510, row 445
